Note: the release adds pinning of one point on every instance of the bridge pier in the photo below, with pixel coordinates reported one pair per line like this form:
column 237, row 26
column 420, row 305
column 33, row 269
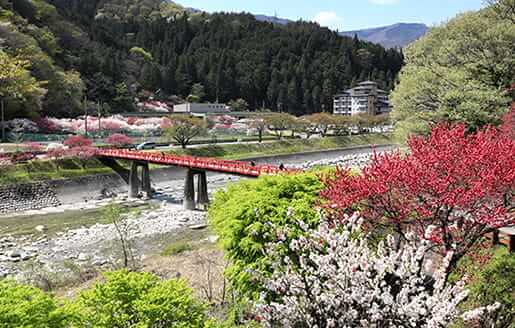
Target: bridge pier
column 189, row 191
column 135, row 184
column 145, row 180
column 199, row 198
column 202, row 195
column 133, row 180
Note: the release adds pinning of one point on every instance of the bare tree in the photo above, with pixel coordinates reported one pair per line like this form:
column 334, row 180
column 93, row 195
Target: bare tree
column 123, row 227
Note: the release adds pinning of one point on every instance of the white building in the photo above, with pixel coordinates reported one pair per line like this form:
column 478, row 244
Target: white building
column 366, row 98
column 196, row 108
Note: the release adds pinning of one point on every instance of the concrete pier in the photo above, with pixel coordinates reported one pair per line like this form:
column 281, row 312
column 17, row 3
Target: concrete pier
column 133, row 181
column 195, row 199
column 202, row 195
column 189, row 191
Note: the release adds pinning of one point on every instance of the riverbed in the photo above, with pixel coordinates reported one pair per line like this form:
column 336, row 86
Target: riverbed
column 76, row 234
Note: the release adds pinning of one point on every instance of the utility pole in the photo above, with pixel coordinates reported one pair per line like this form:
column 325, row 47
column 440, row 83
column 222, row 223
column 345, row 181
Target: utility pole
column 3, row 119
column 99, row 106
column 86, row 116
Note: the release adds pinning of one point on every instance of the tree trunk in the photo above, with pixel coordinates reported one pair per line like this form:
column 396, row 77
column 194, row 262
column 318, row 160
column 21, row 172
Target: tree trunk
column 2, row 119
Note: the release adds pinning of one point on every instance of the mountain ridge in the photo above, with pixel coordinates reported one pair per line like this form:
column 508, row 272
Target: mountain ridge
column 396, row 35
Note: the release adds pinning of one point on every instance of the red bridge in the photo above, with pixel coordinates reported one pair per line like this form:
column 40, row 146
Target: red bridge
column 197, row 167
column 196, row 163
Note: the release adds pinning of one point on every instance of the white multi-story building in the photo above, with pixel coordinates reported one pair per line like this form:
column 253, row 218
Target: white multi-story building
column 366, row 98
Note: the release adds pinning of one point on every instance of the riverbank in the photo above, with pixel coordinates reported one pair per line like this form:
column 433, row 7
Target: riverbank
column 72, row 168
column 64, row 240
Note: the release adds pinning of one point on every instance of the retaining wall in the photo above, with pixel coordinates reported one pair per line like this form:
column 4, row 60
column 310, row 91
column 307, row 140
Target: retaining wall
column 25, row 197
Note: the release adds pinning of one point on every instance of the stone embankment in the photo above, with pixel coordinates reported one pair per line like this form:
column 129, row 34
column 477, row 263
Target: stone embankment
column 25, row 197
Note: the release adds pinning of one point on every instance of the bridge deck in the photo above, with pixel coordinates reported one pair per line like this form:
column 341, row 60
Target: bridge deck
column 200, row 163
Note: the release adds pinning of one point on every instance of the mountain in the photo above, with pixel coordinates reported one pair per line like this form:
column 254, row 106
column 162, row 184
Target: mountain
column 111, row 51
column 272, row 19
column 396, row 35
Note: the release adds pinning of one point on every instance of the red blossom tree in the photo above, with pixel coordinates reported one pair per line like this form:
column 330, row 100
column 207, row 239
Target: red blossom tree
column 78, row 141
column 451, row 188
column 46, row 125
column 80, row 147
column 119, row 140
column 83, row 153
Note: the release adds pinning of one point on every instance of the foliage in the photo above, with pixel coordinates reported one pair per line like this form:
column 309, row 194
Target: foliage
column 198, row 91
column 279, row 122
column 322, row 122
column 451, row 188
column 458, row 72
column 249, row 214
column 130, row 299
column 25, row 306
column 339, row 281
column 156, row 45
column 184, row 128
column 119, row 140
column 140, row 52
column 239, row 105
column 16, row 83
column 258, row 125
column 177, row 248
column 494, row 283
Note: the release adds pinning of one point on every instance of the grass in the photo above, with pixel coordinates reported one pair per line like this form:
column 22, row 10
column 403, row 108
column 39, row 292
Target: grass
column 185, row 240
column 55, row 222
column 239, row 151
column 176, row 248
column 70, row 168
column 50, row 170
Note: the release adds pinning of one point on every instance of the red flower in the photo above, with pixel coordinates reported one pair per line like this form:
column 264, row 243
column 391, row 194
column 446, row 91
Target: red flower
column 460, row 185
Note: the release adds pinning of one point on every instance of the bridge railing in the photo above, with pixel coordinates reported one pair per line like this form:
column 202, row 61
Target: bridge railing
column 205, row 163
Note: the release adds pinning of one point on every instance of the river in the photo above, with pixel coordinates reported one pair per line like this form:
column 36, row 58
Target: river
column 76, row 232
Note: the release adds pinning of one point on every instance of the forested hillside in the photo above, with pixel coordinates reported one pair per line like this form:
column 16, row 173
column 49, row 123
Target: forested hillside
column 114, row 50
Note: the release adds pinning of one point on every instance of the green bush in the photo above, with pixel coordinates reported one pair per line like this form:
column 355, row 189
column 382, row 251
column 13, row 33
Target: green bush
column 129, row 299
column 25, row 306
column 249, row 214
column 496, row 283
column 177, row 248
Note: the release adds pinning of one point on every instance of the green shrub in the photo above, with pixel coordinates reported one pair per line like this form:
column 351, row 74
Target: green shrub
column 249, row 214
column 171, row 304
column 26, row 306
column 129, row 299
column 496, row 283
column 177, row 248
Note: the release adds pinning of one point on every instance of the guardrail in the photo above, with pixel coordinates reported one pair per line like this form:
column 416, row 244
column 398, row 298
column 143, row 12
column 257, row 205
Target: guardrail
column 200, row 163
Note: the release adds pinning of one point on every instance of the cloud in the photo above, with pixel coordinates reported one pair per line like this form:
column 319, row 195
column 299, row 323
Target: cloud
column 384, row 2
column 329, row 19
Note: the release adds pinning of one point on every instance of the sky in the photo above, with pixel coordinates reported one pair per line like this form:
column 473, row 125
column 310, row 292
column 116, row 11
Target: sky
column 345, row 15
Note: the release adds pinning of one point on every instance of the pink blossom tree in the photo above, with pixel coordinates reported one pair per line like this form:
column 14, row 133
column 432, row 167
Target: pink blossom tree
column 78, row 141
column 119, row 140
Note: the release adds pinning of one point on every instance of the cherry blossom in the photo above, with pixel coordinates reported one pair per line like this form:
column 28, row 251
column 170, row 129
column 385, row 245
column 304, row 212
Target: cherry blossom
column 335, row 279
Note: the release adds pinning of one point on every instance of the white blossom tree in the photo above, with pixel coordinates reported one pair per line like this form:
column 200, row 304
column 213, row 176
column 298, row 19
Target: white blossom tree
column 337, row 280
